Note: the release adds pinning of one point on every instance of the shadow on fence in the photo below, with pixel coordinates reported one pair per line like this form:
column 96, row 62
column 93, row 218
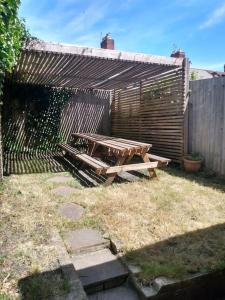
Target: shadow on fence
column 36, row 118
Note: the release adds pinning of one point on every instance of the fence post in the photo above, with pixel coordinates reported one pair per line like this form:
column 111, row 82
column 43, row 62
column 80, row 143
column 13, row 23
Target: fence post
column 186, row 67
column 1, row 151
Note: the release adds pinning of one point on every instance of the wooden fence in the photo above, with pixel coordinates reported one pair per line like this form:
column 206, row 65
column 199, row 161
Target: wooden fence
column 37, row 118
column 206, row 111
column 153, row 111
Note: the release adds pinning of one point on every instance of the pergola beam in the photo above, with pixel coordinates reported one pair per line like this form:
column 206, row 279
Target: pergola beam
column 71, row 66
column 104, row 53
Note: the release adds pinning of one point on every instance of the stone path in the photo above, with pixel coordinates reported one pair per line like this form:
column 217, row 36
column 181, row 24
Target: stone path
column 64, row 190
column 85, row 240
column 101, row 273
column 99, row 270
column 71, row 211
column 119, row 293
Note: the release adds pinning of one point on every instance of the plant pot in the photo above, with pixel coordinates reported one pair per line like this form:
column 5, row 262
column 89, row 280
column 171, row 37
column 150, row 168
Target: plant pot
column 192, row 166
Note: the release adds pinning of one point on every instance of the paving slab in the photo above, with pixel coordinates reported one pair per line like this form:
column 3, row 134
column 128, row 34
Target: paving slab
column 64, row 190
column 71, row 211
column 85, row 240
column 60, row 179
column 118, row 293
column 99, row 270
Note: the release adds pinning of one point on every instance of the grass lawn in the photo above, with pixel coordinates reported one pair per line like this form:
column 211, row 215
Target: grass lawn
column 173, row 226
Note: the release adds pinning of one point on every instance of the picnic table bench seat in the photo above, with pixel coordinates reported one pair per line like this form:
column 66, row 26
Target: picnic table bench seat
column 103, row 168
column 162, row 161
column 99, row 166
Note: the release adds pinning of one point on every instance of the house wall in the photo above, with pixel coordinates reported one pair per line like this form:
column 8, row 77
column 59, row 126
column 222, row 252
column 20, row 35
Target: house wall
column 207, row 122
column 154, row 112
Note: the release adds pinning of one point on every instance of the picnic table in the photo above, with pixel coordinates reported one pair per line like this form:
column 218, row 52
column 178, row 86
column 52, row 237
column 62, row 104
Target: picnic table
column 122, row 149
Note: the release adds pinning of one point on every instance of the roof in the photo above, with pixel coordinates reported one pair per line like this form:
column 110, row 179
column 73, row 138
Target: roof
column 72, row 66
column 205, row 74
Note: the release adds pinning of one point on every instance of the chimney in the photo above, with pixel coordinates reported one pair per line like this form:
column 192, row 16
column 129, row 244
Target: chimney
column 178, row 54
column 107, row 42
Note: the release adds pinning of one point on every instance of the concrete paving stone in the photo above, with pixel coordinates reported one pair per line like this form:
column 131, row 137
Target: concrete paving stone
column 134, row 269
column 60, row 179
column 64, row 190
column 118, row 293
column 99, row 269
column 85, row 240
column 71, row 211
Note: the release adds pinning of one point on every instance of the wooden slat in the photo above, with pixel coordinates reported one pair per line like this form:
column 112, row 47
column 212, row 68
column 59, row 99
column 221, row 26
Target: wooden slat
column 162, row 161
column 99, row 166
column 121, row 145
column 153, row 112
column 132, row 167
column 206, row 126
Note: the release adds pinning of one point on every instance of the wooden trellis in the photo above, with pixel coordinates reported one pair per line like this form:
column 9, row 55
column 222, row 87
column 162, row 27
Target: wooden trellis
column 154, row 111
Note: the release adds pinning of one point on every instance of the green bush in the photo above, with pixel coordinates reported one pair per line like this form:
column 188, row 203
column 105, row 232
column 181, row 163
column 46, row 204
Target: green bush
column 12, row 36
column 194, row 156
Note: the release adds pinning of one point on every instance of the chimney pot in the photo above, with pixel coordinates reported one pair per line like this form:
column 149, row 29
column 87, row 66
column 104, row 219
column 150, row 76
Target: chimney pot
column 178, row 54
column 107, row 42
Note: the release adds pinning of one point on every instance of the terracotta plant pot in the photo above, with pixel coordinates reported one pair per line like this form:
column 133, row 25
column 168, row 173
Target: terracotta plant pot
column 192, row 166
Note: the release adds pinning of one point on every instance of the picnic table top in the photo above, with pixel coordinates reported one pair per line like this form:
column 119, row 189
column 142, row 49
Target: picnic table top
column 122, row 146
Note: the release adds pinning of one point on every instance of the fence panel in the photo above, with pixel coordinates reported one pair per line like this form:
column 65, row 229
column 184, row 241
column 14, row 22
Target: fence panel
column 207, row 122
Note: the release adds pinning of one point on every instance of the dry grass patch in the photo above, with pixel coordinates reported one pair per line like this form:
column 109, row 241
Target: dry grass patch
column 29, row 212
column 173, row 226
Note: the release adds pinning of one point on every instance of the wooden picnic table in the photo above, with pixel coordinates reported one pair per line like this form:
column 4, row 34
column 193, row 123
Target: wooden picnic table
column 122, row 149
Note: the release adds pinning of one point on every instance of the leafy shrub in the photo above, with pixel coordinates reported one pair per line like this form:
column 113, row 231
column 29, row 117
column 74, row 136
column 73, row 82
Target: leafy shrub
column 12, row 36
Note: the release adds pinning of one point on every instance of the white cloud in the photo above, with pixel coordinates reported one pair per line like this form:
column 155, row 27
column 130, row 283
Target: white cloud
column 88, row 18
column 217, row 16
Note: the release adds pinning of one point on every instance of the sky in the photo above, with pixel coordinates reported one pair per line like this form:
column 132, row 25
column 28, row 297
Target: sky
column 148, row 26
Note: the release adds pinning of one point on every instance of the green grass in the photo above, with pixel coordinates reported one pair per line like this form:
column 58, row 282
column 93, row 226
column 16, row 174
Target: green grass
column 41, row 286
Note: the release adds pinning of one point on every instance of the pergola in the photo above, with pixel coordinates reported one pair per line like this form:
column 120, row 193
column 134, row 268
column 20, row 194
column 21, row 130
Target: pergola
column 146, row 95
column 73, row 66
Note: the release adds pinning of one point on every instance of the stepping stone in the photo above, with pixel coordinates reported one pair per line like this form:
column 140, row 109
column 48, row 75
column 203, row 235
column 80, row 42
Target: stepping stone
column 99, row 270
column 60, row 179
column 85, row 240
column 64, row 190
column 71, row 211
column 118, row 293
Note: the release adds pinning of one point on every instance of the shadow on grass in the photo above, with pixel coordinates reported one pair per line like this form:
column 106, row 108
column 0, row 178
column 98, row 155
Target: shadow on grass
column 22, row 163
column 27, row 163
column 46, row 285
column 204, row 177
column 183, row 256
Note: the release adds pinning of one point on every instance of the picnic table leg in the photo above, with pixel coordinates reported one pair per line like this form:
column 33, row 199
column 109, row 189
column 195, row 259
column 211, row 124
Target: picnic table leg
column 92, row 148
column 151, row 172
column 120, row 160
column 129, row 158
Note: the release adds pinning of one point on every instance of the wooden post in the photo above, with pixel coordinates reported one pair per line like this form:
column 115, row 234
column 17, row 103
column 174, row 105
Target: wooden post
column 186, row 67
column 1, row 148
column 120, row 160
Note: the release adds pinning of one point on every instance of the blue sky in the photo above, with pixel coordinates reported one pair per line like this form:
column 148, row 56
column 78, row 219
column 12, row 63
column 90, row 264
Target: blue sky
column 149, row 26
